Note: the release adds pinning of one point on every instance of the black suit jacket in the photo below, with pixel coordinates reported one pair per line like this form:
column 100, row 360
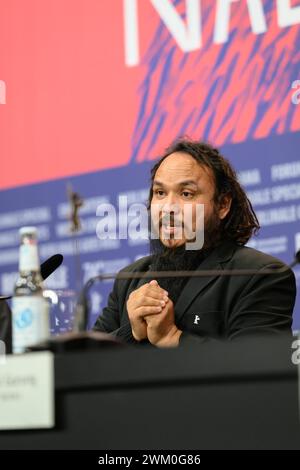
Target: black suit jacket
column 216, row 307
column 5, row 325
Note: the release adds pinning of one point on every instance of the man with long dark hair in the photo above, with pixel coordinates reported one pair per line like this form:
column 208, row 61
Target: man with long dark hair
column 171, row 311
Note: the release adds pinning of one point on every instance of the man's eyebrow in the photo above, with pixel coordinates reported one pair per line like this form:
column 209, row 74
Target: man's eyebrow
column 188, row 183
column 181, row 183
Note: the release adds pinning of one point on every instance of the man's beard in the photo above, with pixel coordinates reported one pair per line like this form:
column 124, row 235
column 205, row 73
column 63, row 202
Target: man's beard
column 182, row 259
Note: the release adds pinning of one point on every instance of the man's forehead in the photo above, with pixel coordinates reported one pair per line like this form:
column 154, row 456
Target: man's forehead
column 179, row 166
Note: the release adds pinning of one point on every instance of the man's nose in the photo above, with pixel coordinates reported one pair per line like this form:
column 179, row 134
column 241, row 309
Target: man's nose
column 171, row 204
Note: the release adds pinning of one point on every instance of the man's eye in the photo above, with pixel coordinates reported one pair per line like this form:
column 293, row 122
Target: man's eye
column 159, row 192
column 187, row 194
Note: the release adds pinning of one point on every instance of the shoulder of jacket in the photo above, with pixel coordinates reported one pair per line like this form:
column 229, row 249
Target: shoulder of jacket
column 252, row 258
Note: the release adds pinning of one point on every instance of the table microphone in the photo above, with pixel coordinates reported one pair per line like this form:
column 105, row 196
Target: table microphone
column 47, row 268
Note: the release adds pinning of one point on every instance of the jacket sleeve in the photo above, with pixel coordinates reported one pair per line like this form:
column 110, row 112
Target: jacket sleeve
column 109, row 320
column 5, row 326
column 264, row 306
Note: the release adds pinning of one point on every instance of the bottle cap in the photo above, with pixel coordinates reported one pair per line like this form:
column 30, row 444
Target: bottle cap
column 28, row 230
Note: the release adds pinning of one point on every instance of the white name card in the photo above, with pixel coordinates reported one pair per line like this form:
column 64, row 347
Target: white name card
column 27, row 391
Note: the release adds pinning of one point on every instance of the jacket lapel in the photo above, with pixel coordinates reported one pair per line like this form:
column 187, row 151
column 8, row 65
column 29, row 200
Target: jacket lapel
column 195, row 285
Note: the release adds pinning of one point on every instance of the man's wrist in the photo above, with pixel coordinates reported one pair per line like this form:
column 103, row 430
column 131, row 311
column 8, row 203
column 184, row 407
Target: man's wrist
column 136, row 337
column 171, row 340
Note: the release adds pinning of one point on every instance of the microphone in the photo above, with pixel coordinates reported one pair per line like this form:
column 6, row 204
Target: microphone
column 296, row 259
column 50, row 265
column 82, row 307
column 47, row 268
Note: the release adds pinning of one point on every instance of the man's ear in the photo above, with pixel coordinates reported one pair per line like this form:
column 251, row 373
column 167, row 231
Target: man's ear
column 224, row 206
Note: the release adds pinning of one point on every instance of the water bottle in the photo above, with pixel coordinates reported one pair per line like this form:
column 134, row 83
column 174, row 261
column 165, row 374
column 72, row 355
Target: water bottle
column 30, row 310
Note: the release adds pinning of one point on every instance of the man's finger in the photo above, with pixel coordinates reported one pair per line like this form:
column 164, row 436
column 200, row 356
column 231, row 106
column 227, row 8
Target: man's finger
column 149, row 292
column 151, row 310
column 155, row 284
column 150, row 301
column 154, row 290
